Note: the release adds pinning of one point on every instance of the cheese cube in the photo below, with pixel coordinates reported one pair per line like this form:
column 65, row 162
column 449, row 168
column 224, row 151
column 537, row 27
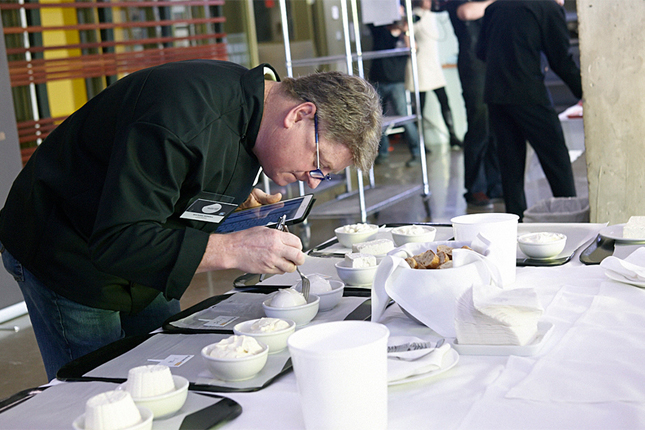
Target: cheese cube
column 359, row 260
column 374, row 247
column 635, row 228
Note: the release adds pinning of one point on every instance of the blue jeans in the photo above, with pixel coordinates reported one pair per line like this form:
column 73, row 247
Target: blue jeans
column 394, row 93
column 66, row 330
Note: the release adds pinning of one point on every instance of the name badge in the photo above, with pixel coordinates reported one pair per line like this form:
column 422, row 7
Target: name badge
column 209, row 208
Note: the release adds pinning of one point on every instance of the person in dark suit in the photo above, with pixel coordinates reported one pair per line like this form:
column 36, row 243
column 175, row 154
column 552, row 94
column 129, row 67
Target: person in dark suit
column 515, row 35
column 482, row 179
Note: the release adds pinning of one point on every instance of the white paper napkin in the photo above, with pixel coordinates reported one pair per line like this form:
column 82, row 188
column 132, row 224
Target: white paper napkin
column 508, row 307
column 488, row 315
column 632, row 267
column 398, row 369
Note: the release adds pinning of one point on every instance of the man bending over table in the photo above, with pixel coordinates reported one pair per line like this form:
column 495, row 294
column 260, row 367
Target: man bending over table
column 92, row 228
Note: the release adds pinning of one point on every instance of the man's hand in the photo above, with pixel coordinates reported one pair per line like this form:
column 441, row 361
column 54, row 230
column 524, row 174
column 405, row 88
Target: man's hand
column 472, row 10
column 256, row 250
column 259, row 198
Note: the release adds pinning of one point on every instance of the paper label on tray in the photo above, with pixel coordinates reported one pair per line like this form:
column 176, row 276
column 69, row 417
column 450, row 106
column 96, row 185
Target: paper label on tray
column 220, row 321
column 173, row 360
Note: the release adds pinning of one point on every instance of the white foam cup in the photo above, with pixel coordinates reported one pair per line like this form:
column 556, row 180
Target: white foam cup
column 501, row 230
column 341, row 372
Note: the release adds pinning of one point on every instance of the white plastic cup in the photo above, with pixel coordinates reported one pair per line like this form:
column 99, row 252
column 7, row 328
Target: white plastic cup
column 501, row 230
column 341, row 371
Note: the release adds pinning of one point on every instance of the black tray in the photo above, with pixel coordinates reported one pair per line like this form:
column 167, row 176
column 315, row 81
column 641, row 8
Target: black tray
column 361, row 313
column 20, row 397
column 599, row 249
column 77, row 369
column 216, row 414
column 521, row 262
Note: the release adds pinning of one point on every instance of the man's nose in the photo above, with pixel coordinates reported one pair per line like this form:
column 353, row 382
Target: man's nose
column 313, row 183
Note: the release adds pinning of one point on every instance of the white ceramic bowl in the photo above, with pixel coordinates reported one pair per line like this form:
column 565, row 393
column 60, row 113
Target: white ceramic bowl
column 349, row 239
column 144, row 424
column 542, row 245
column 301, row 315
column 167, row 403
column 329, row 299
column 356, row 275
column 235, row 369
column 275, row 340
column 400, row 237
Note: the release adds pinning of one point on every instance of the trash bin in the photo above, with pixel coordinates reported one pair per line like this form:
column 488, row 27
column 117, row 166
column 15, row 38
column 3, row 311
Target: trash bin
column 559, row 209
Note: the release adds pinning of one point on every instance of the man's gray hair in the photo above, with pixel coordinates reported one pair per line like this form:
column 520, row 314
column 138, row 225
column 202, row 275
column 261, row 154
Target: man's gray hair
column 349, row 111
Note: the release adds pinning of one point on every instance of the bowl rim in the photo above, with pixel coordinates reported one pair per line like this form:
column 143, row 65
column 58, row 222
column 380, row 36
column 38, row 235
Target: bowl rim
column 265, row 351
column 310, row 303
column 340, row 265
column 428, row 227
column 330, row 292
column 181, row 384
column 292, row 326
column 522, row 238
column 372, row 227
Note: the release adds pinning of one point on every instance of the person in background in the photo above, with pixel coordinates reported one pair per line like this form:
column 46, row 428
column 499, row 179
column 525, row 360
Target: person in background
column 482, row 178
column 431, row 77
column 388, row 76
column 92, row 228
column 514, row 36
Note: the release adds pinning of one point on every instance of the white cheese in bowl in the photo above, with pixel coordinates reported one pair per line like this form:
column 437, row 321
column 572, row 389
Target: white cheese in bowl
column 544, row 237
column 236, row 347
column 357, row 228
column 287, row 298
column 410, row 230
column 149, row 380
column 374, row 247
column 317, row 285
column 268, row 325
column 111, row 410
column 359, row 260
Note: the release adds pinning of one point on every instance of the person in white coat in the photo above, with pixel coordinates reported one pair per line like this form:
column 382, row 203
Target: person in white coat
column 431, row 77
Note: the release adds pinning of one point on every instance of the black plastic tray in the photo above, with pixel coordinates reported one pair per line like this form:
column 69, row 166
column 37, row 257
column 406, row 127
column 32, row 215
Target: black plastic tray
column 77, row 369
column 362, row 312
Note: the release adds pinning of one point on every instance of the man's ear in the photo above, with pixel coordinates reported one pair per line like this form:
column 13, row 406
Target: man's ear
column 305, row 110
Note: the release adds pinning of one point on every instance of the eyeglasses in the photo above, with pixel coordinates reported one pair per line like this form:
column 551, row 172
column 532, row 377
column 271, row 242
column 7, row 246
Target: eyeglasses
column 318, row 174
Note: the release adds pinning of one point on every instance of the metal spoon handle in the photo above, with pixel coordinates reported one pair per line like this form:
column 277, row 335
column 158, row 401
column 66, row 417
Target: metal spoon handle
column 306, row 284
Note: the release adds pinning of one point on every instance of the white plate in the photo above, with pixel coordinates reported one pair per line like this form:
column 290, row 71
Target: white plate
column 615, row 232
column 544, row 331
column 449, row 361
column 620, row 278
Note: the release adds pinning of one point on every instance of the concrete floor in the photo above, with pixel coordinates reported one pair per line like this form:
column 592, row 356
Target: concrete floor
column 20, row 363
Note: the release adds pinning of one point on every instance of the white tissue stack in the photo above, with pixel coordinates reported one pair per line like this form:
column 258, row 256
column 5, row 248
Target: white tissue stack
column 487, row 315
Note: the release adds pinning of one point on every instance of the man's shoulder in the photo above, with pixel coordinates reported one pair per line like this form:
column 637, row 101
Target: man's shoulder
column 200, row 66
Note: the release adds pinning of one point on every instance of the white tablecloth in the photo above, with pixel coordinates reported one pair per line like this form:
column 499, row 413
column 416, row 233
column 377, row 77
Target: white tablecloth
column 590, row 374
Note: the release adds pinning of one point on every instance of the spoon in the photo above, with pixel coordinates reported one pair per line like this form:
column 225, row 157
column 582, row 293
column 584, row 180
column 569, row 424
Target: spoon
column 306, row 283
